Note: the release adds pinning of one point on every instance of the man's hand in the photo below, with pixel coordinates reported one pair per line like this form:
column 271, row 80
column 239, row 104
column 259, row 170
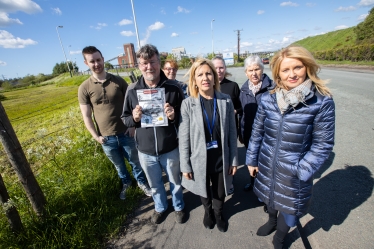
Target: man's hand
column 252, row 170
column 137, row 113
column 100, row 139
column 232, row 170
column 130, row 131
column 188, row 175
column 169, row 111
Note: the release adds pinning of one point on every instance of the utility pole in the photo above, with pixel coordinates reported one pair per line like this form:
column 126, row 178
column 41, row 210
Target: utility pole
column 238, row 42
column 21, row 166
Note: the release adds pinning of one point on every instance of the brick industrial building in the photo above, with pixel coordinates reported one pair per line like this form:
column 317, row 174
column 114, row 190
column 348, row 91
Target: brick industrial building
column 129, row 57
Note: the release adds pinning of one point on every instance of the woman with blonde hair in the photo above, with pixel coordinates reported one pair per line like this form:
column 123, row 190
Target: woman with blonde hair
column 292, row 136
column 207, row 142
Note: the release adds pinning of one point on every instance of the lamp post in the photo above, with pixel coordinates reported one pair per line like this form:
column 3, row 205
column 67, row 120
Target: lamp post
column 211, row 26
column 63, row 50
column 136, row 27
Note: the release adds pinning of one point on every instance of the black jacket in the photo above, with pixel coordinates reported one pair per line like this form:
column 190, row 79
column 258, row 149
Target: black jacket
column 158, row 140
column 249, row 105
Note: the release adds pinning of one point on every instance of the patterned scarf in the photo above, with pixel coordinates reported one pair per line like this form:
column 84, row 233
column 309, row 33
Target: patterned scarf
column 254, row 88
column 286, row 99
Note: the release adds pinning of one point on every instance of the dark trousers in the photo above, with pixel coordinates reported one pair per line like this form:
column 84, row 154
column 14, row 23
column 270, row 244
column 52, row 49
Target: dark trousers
column 216, row 195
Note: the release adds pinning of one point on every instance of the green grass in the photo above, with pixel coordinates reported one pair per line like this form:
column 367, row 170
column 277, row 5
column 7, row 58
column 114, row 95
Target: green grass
column 80, row 184
column 335, row 39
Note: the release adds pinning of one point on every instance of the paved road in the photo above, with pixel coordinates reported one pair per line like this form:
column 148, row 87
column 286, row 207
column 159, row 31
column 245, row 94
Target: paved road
column 341, row 215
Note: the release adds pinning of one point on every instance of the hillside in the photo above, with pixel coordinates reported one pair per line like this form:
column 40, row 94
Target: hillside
column 331, row 40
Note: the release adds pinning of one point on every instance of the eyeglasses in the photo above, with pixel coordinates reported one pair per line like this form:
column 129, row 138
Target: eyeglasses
column 171, row 69
column 145, row 64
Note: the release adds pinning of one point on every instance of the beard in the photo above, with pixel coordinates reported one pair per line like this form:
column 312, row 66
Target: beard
column 151, row 76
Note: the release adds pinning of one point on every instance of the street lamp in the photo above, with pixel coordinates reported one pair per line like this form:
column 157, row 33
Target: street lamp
column 63, row 50
column 136, row 27
column 211, row 26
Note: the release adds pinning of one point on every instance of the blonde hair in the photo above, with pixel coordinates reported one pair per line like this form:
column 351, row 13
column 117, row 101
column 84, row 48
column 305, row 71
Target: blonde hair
column 303, row 55
column 192, row 87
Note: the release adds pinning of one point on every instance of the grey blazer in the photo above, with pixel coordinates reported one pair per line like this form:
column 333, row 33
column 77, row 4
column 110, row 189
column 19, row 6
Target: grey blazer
column 192, row 145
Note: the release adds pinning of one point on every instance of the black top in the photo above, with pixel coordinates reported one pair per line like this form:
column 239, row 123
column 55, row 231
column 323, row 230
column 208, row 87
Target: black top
column 232, row 88
column 214, row 156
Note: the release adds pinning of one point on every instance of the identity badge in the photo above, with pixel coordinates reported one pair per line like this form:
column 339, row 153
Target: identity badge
column 211, row 145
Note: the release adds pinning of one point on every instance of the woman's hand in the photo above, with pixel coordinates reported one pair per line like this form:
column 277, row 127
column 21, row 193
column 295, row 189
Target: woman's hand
column 232, row 170
column 252, row 170
column 188, row 175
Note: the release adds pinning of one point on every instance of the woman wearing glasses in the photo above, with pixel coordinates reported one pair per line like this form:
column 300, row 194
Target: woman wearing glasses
column 170, row 69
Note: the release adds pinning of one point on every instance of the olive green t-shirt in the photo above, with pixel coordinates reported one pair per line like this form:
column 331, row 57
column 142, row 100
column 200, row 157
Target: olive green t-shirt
column 106, row 101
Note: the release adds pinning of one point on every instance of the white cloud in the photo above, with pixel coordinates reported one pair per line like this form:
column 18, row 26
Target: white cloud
column 362, row 17
column 246, row 44
column 153, row 27
column 124, row 22
column 289, row 3
column 174, row 35
column 9, row 6
column 317, row 28
column 99, row 26
column 182, row 10
column 345, row 9
column 2, row 63
column 127, row 33
column 156, row 26
column 162, row 11
column 366, row 3
column 7, row 40
column 310, row 4
column 341, row 27
column 260, row 12
column 76, row 52
column 6, row 21
column 194, row 33
column 57, row 11
column 26, row 6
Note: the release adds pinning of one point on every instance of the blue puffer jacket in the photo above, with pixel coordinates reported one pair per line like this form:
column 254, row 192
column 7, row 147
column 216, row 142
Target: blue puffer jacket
column 288, row 149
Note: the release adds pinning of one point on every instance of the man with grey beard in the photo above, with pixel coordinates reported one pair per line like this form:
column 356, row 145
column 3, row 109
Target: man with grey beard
column 157, row 146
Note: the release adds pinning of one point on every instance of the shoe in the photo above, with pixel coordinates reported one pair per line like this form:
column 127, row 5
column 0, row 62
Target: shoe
column 157, row 217
column 231, row 190
column 221, row 224
column 179, row 216
column 248, row 187
column 122, row 195
column 209, row 220
column 146, row 189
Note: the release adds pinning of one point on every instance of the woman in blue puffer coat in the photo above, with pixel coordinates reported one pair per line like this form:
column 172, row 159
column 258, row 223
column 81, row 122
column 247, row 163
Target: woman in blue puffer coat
column 292, row 136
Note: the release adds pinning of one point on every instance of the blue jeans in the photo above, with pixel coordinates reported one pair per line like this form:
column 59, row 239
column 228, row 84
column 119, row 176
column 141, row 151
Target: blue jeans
column 153, row 166
column 116, row 148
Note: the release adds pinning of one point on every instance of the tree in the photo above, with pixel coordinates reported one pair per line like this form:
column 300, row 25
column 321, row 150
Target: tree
column 365, row 30
column 185, row 62
column 108, row 66
column 210, row 56
column 61, row 68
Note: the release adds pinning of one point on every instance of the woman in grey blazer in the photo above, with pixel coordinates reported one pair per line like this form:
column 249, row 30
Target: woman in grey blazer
column 207, row 142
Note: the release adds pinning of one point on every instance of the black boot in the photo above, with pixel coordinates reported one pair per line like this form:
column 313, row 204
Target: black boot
column 282, row 231
column 270, row 225
column 209, row 219
column 221, row 223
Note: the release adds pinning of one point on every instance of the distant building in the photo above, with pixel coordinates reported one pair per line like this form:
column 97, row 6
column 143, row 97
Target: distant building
column 179, row 53
column 129, row 58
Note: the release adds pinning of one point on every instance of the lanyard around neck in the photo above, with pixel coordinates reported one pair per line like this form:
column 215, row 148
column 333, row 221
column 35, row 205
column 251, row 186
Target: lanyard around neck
column 210, row 128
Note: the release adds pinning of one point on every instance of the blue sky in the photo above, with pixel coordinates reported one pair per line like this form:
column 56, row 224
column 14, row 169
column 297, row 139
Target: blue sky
column 29, row 42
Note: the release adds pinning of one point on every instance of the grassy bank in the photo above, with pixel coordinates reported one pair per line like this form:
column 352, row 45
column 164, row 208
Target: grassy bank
column 80, row 184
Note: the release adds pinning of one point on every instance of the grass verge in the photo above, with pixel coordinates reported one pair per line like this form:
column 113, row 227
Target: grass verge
column 80, row 184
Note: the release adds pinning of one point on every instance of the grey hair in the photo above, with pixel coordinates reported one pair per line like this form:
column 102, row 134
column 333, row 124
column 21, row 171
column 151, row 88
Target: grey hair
column 147, row 52
column 219, row 58
column 251, row 60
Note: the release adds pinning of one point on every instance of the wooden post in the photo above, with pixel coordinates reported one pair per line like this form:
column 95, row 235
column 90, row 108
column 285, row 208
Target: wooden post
column 17, row 158
column 10, row 210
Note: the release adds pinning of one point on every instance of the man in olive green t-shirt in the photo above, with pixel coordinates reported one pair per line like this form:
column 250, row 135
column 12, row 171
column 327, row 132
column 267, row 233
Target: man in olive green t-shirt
column 103, row 96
